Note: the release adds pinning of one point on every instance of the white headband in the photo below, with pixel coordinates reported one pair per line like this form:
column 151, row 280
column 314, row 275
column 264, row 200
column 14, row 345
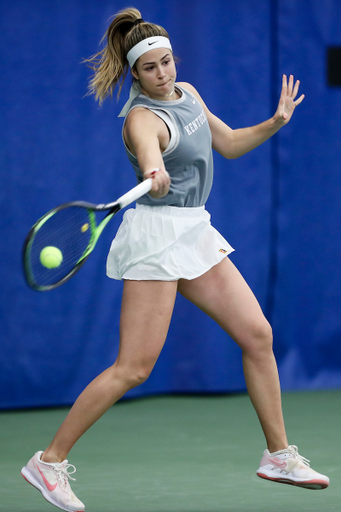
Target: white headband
column 151, row 43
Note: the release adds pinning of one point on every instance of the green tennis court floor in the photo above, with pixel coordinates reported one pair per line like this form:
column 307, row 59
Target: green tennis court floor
column 178, row 454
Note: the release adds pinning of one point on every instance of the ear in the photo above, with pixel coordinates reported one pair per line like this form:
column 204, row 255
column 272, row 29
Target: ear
column 135, row 73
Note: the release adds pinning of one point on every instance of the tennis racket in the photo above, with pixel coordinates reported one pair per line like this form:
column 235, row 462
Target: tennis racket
column 70, row 232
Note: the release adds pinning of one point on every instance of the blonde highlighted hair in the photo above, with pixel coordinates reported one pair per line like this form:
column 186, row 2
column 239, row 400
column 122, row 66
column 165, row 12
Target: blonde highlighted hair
column 110, row 64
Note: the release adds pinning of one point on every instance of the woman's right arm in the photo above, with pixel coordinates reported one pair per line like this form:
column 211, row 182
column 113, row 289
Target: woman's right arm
column 145, row 134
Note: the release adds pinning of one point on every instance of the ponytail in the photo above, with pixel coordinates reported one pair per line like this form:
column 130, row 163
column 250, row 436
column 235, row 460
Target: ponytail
column 110, row 65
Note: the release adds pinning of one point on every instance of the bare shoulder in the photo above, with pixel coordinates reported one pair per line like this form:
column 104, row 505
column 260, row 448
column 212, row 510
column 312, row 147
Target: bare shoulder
column 142, row 120
column 188, row 87
column 143, row 127
column 139, row 115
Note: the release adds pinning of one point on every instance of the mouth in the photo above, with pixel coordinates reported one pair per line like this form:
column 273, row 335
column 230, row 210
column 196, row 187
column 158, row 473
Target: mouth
column 166, row 83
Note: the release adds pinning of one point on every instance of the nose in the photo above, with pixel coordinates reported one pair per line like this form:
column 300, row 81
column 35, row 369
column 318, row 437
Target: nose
column 161, row 72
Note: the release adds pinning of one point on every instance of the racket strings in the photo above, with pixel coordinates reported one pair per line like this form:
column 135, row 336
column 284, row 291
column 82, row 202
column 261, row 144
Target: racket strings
column 71, row 231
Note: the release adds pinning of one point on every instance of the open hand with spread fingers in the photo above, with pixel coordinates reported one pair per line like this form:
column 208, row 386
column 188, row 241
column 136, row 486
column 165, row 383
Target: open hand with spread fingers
column 287, row 102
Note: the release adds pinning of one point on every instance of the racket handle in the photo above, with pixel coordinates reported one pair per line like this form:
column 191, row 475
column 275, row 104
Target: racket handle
column 135, row 193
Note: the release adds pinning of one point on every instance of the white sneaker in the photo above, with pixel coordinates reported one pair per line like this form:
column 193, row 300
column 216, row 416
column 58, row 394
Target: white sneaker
column 288, row 467
column 52, row 480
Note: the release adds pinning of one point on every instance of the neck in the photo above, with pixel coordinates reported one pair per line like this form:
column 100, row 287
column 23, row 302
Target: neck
column 170, row 94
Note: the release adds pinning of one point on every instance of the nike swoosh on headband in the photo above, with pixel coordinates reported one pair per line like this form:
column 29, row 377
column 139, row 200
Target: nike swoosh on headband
column 144, row 47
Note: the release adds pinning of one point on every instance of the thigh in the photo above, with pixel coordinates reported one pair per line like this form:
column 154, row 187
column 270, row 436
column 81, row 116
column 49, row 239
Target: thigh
column 146, row 311
column 225, row 296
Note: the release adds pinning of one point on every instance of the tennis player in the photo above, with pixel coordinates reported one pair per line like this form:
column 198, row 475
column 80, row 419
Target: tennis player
column 168, row 245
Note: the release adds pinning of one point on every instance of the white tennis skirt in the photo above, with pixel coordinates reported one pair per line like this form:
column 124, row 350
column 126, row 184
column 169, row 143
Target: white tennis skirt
column 165, row 243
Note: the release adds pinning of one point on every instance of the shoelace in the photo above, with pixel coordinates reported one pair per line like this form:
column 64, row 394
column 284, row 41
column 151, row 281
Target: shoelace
column 63, row 475
column 294, row 450
column 302, row 459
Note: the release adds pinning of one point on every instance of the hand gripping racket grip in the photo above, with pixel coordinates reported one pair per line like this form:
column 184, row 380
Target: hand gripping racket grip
column 135, row 193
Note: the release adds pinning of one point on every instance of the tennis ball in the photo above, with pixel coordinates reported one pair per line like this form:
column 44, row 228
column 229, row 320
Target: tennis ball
column 51, row 257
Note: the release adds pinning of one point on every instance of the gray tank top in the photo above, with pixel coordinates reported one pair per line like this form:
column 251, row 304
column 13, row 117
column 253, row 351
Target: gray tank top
column 188, row 157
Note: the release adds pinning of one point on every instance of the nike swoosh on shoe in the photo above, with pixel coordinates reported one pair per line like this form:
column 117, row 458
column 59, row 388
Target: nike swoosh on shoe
column 46, row 482
column 278, row 463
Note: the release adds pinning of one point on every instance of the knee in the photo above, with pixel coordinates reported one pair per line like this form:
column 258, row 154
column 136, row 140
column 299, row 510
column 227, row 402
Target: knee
column 259, row 338
column 133, row 376
column 139, row 375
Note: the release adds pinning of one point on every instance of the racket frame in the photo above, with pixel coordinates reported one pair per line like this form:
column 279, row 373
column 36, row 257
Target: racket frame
column 133, row 194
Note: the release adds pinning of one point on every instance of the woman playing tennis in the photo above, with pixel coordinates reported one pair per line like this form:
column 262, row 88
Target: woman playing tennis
column 167, row 245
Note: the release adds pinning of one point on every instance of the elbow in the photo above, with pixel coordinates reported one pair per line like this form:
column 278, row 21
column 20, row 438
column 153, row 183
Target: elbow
column 234, row 151
column 228, row 149
column 231, row 154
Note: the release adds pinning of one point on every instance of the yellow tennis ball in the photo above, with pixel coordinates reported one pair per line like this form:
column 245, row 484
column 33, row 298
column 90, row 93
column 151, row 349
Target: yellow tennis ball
column 51, row 257
column 85, row 228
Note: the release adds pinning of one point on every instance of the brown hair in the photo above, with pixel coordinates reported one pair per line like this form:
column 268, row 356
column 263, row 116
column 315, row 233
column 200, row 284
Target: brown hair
column 110, row 64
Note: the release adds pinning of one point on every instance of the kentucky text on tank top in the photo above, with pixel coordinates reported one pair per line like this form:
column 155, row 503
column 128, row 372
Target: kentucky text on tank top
column 188, row 157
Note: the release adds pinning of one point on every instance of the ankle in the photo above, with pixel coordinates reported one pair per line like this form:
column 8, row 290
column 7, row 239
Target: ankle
column 277, row 447
column 50, row 456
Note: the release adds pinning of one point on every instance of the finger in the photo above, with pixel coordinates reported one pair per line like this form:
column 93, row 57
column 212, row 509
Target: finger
column 295, row 91
column 299, row 100
column 284, row 83
column 151, row 173
column 290, row 85
column 161, row 180
column 162, row 176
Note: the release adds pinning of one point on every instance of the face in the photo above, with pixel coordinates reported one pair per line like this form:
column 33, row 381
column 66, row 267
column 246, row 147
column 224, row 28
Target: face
column 156, row 72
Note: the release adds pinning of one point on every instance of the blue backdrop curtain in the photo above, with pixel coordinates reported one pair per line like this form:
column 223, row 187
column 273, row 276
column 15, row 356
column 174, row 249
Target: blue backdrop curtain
column 307, row 305
column 278, row 205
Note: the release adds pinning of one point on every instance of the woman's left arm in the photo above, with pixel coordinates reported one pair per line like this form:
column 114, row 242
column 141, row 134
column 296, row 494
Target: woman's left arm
column 234, row 143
